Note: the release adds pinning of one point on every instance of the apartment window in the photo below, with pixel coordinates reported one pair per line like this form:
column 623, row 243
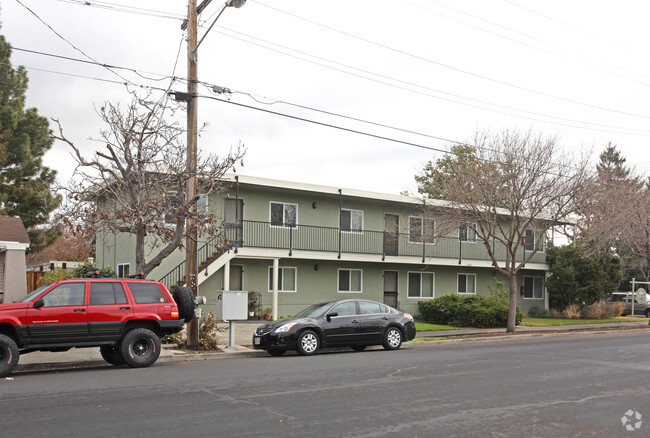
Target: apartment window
column 202, row 204
column 123, row 270
column 283, row 214
column 350, row 280
column 352, row 220
column 286, row 279
column 467, row 233
column 421, row 284
column 533, row 288
column 421, row 230
column 466, row 284
column 531, row 239
column 173, row 200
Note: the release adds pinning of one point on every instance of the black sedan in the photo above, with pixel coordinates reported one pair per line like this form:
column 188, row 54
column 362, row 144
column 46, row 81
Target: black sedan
column 343, row 323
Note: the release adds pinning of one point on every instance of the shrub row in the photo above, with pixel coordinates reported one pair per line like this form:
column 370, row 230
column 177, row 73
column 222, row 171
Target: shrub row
column 467, row 311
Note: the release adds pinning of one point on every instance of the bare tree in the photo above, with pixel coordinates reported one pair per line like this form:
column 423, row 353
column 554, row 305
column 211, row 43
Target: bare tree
column 511, row 192
column 617, row 213
column 136, row 184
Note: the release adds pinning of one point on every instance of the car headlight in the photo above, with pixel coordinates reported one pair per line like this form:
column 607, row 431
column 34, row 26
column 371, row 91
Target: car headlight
column 409, row 316
column 285, row 327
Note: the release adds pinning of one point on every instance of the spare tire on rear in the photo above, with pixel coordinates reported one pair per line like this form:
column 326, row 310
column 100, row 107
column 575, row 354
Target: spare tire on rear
column 185, row 301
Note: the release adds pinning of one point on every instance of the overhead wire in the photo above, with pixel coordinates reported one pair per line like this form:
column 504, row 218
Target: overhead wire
column 450, row 67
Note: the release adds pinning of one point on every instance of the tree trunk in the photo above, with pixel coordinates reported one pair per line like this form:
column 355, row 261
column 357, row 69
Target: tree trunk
column 512, row 305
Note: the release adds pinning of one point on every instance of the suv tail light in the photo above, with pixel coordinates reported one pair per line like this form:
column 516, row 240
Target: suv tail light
column 175, row 312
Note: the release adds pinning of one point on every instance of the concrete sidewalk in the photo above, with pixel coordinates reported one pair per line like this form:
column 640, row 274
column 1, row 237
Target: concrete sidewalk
column 90, row 357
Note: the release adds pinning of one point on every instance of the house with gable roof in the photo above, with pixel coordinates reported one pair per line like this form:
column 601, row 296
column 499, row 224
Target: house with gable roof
column 14, row 241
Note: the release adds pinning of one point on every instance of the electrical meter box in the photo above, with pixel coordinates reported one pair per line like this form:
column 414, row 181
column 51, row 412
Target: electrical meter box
column 232, row 305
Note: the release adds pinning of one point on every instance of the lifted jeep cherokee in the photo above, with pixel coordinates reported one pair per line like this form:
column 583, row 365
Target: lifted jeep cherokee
column 124, row 317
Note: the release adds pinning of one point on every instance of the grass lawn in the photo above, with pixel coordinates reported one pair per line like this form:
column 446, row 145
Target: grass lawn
column 552, row 322
column 426, row 327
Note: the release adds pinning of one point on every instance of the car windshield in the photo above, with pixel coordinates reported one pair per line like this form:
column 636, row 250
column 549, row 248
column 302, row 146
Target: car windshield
column 34, row 294
column 313, row 311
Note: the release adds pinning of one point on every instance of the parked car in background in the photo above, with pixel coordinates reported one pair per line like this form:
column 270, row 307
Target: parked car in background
column 640, row 309
column 344, row 323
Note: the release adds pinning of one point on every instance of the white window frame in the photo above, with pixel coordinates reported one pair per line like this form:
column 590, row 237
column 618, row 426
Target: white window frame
column 468, row 228
column 284, row 212
column 351, row 230
column 420, row 297
column 202, row 204
column 422, row 238
column 467, row 276
column 282, row 277
column 537, row 235
column 350, row 291
column 534, row 277
column 120, row 267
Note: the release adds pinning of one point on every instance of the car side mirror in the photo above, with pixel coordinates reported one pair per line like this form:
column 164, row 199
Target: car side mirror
column 39, row 303
column 330, row 315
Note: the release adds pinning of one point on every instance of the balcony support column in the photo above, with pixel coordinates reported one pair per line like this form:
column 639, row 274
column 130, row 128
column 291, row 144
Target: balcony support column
column 276, row 265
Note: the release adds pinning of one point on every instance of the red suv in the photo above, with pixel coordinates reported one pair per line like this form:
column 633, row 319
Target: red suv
column 124, row 317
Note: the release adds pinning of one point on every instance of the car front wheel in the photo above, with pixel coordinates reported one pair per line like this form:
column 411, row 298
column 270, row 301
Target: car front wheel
column 140, row 348
column 8, row 355
column 392, row 338
column 308, row 343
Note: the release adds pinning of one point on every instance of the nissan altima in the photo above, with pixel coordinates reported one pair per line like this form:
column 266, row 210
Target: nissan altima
column 343, row 323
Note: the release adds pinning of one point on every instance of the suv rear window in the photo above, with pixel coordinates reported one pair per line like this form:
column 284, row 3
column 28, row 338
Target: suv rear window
column 146, row 293
column 107, row 293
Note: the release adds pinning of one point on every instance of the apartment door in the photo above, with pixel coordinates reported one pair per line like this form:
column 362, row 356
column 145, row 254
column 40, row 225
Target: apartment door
column 232, row 221
column 391, row 234
column 390, row 288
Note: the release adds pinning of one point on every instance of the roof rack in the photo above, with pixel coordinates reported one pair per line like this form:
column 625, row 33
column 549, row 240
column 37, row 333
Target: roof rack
column 93, row 274
column 139, row 276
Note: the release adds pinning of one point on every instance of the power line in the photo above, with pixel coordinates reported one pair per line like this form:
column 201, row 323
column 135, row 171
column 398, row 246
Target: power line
column 456, row 69
column 641, row 131
column 63, row 38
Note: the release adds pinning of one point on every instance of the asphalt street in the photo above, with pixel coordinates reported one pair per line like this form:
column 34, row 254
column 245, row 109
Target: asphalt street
column 553, row 386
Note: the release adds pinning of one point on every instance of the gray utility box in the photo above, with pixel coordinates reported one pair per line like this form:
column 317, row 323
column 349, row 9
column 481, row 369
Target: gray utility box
column 232, row 305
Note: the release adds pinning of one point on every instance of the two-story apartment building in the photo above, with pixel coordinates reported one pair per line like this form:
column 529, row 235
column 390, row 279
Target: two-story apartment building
column 325, row 243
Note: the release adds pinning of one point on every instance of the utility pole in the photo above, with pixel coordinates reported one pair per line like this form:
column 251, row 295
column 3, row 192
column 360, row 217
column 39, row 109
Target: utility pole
column 191, row 262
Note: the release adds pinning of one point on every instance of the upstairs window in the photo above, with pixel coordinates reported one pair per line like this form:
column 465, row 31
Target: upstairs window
column 467, row 233
column 351, row 220
column 422, row 230
column 532, row 238
column 283, row 214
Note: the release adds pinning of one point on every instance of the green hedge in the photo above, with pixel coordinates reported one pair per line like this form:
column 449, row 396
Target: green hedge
column 468, row 311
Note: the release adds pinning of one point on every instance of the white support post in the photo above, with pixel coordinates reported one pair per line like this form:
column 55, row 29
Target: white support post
column 226, row 276
column 276, row 263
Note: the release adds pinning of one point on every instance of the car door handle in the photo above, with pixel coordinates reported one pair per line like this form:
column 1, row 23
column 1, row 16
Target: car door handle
column 79, row 310
column 355, row 321
column 125, row 308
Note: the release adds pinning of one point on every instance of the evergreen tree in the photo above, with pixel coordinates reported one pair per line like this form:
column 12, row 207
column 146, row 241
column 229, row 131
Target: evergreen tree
column 25, row 183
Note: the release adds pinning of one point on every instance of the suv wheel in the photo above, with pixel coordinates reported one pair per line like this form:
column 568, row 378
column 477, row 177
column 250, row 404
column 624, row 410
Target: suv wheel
column 185, row 301
column 112, row 354
column 140, row 348
column 8, row 355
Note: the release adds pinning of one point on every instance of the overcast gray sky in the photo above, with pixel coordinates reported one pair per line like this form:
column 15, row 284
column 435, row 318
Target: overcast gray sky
column 439, row 69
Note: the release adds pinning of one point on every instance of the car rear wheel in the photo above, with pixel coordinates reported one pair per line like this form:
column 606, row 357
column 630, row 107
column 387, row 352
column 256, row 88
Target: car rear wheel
column 276, row 351
column 308, row 343
column 647, row 312
column 392, row 338
column 8, row 355
column 185, row 300
column 112, row 354
column 140, row 348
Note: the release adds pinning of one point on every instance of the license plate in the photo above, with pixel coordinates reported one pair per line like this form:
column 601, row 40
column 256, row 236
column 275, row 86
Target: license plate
column 258, row 341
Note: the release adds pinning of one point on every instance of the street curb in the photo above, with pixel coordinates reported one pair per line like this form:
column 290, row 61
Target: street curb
column 242, row 351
